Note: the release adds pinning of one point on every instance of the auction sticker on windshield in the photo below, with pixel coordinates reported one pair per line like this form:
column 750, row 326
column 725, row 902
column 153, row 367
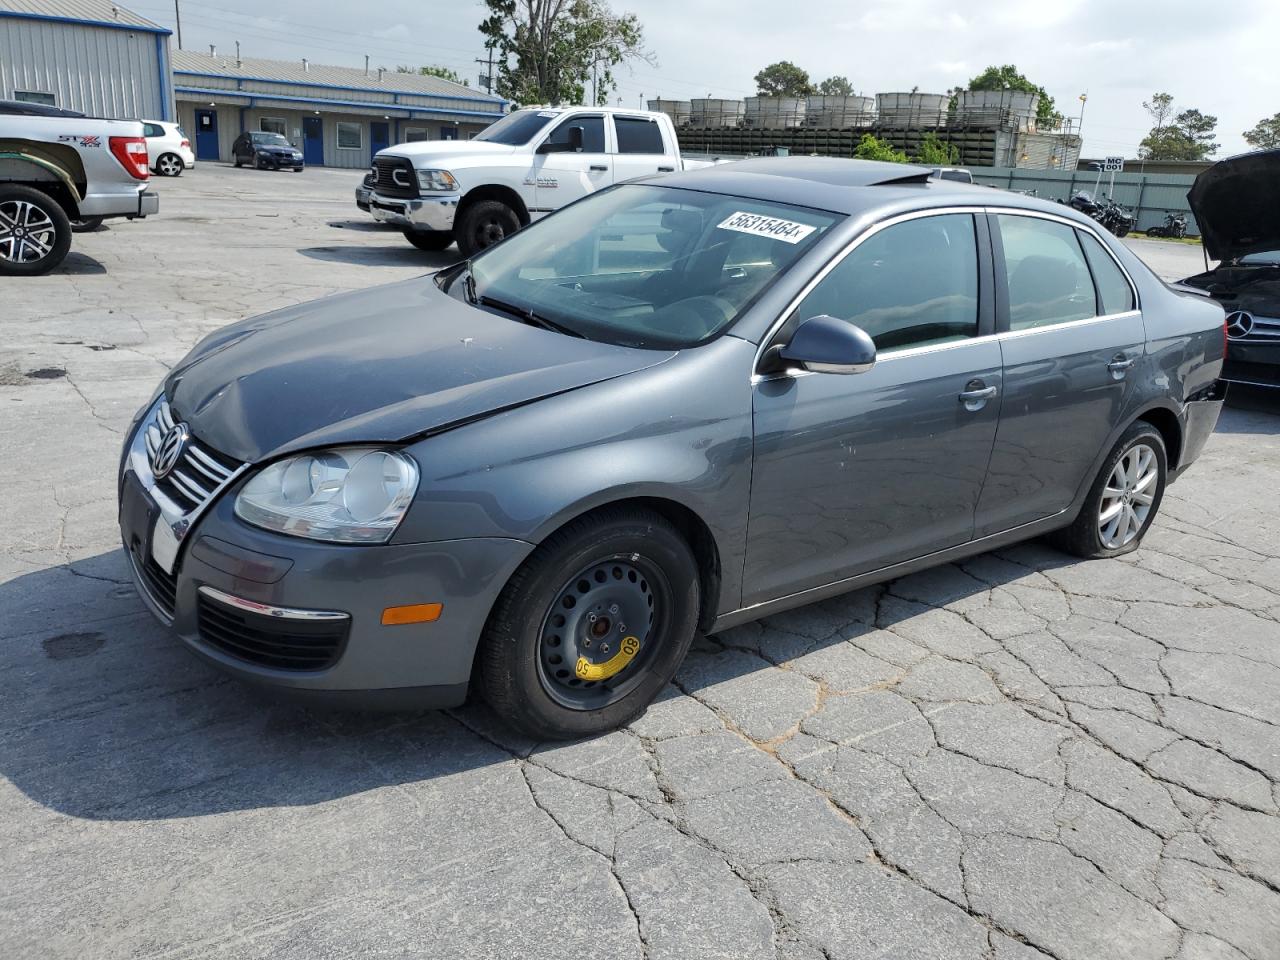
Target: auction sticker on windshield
column 762, row 226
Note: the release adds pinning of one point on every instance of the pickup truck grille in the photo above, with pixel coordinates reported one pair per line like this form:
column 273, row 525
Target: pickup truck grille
column 395, row 177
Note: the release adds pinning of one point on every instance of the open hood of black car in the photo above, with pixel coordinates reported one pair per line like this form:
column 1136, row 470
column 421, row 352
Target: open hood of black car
column 1237, row 204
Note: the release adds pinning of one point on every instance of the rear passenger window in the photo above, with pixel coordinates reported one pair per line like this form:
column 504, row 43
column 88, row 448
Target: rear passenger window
column 1048, row 279
column 1113, row 286
column 637, row 135
column 911, row 284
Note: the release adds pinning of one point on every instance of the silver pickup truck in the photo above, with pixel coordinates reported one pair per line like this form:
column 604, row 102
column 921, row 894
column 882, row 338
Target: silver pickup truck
column 58, row 166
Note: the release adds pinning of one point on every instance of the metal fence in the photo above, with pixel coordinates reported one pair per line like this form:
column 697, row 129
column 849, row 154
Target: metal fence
column 1148, row 196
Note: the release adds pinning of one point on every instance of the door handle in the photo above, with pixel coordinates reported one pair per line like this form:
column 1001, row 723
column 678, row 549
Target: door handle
column 666, row 169
column 1120, row 366
column 601, row 167
column 976, row 394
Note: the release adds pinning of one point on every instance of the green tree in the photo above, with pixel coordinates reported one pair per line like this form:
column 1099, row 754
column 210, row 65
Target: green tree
column 445, row 73
column 783, row 79
column 548, row 51
column 1265, row 135
column 836, row 87
column 870, row 148
column 1007, row 77
column 1187, row 136
column 935, row 153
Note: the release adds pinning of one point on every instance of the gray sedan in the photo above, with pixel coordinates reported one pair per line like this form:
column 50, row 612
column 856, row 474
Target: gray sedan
column 672, row 407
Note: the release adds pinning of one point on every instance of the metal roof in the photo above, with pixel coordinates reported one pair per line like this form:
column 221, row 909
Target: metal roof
column 322, row 75
column 94, row 11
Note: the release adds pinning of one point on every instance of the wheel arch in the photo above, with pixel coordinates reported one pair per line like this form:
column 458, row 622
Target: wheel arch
column 1165, row 420
column 495, row 191
column 53, row 169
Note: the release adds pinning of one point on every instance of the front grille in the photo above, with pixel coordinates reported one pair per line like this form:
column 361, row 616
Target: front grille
column 161, row 587
column 200, row 472
column 265, row 641
column 395, row 177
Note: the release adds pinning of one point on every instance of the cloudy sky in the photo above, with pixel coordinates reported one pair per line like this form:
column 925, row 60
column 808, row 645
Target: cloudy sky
column 1220, row 58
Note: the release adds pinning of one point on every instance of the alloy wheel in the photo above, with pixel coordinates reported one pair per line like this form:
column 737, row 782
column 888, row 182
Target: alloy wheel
column 170, row 166
column 27, row 233
column 1128, row 496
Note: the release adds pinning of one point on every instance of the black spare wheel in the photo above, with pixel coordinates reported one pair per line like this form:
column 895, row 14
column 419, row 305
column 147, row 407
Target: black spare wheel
column 592, row 627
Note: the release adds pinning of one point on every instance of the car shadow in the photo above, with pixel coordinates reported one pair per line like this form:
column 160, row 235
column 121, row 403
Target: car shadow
column 108, row 717
column 79, row 265
column 364, row 226
column 400, row 255
column 1250, row 410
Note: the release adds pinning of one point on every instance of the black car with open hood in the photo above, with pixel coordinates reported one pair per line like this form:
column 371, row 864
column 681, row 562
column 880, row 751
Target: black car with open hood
column 1237, row 205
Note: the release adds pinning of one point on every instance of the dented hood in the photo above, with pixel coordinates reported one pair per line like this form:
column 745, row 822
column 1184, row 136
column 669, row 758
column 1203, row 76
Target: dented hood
column 1237, row 205
column 375, row 366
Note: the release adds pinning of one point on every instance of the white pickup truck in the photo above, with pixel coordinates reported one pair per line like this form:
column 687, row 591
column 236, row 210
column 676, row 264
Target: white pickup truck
column 528, row 164
column 57, row 166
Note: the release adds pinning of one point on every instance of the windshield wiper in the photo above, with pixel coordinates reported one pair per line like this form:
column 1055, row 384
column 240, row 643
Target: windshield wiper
column 531, row 317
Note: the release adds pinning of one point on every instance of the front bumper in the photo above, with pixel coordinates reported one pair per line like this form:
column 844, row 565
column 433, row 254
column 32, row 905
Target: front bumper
column 1254, row 360
column 238, row 597
column 362, row 198
column 424, row 213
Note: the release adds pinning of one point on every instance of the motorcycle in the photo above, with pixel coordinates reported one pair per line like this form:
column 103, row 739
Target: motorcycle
column 1175, row 227
column 1108, row 213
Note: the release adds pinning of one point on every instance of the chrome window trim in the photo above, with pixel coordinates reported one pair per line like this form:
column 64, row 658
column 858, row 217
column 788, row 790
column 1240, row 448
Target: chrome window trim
column 901, row 352
column 267, row 610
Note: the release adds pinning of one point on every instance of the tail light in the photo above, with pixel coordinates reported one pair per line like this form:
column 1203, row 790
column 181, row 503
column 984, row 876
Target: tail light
column 132, row 154
column 185, row 143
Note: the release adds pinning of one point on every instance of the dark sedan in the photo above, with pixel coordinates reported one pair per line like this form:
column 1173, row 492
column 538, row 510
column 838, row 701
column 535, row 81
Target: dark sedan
column 266, row 151
column 1237, row 205
column 671, row 407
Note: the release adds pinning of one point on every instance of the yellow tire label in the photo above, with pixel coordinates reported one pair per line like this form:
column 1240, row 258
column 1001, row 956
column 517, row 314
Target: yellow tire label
column 586, row 670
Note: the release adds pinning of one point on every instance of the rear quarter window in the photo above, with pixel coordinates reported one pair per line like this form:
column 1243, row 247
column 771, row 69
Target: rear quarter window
column 1113, row 286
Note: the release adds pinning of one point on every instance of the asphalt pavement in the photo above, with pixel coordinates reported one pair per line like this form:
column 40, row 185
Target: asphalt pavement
column 1016, row 757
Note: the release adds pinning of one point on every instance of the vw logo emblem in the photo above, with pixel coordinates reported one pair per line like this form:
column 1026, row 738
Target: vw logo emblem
column 170, row 450
column 1239, row 324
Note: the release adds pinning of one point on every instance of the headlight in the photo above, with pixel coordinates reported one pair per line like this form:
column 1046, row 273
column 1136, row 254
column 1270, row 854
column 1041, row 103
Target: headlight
column 352, row 495
column 440, row 181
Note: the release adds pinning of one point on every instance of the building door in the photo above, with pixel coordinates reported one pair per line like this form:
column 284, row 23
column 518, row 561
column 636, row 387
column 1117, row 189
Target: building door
column 313, row 140
column 207, row 135
column 379, row 138
column 449, row 133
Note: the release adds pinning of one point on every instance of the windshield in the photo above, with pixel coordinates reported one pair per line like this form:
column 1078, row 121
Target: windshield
column 647, row 266
column 1268, row 258
column 272, row 139
column 517, row 129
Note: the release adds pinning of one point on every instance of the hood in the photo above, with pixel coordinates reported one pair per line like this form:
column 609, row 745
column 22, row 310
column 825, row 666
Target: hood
column 376, row 366
column 1237, row 204
column 447, row 148
column 274, row 148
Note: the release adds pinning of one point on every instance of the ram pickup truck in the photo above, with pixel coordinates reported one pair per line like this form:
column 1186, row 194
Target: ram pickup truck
column 528, row 164
column 57, row 166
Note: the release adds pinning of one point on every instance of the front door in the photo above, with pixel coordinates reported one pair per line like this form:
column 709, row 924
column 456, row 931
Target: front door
column 857, row 472
column 313, row 140
column 1073, row 336
column 207, row 135
column 379, row 138
column 561, row 178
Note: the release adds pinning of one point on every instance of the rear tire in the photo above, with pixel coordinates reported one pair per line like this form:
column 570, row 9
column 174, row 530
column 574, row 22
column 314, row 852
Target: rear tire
column 482, row 224
column 169, row 165
column 621, row 580
column 236, row 162
column 429, row 239
column 35, row 233
column 1123, row 500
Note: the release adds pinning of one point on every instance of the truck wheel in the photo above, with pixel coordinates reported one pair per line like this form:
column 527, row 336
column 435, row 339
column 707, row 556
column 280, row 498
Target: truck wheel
column 484, row 223
column 35, row 233
column 429, row 239
column 169, row 165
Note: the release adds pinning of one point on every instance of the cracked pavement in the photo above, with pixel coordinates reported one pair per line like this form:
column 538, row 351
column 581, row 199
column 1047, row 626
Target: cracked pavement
column 1016, row 757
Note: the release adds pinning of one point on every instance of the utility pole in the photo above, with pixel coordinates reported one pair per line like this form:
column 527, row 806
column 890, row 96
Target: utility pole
column 177, row 16
column 595, row 88
column 488, row 77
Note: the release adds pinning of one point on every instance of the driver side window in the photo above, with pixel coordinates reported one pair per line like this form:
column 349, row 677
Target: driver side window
column 592, row 133
column 909, row 285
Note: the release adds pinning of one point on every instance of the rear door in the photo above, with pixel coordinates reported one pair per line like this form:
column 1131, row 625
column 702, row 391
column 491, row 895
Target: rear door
column 561, row 178
column 1070, row 335
column 639, row 149
column 857, row 472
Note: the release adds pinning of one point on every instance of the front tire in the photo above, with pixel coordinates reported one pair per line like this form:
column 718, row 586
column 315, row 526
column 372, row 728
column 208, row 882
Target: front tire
column 429, row 239
column 592, row 627
column 1124, row 498
column 35, row 233
column 169, row 165
column 482, row 224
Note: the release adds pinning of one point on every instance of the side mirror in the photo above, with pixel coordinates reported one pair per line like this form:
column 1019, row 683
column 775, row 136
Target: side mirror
column 574, row 144
column 824, row 344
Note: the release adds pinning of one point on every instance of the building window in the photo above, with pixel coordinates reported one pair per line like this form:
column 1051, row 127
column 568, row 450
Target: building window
column 350, row 136
column 415, row 134
column 31, row 96
column 272, row 125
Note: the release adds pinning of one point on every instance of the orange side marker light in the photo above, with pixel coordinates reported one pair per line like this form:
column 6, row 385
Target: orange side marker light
column 413, row 613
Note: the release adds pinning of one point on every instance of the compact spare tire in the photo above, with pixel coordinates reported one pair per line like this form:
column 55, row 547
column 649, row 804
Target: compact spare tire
column 592, row 627
column 482, row 224
column 35, row 233
column 1124, row 497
